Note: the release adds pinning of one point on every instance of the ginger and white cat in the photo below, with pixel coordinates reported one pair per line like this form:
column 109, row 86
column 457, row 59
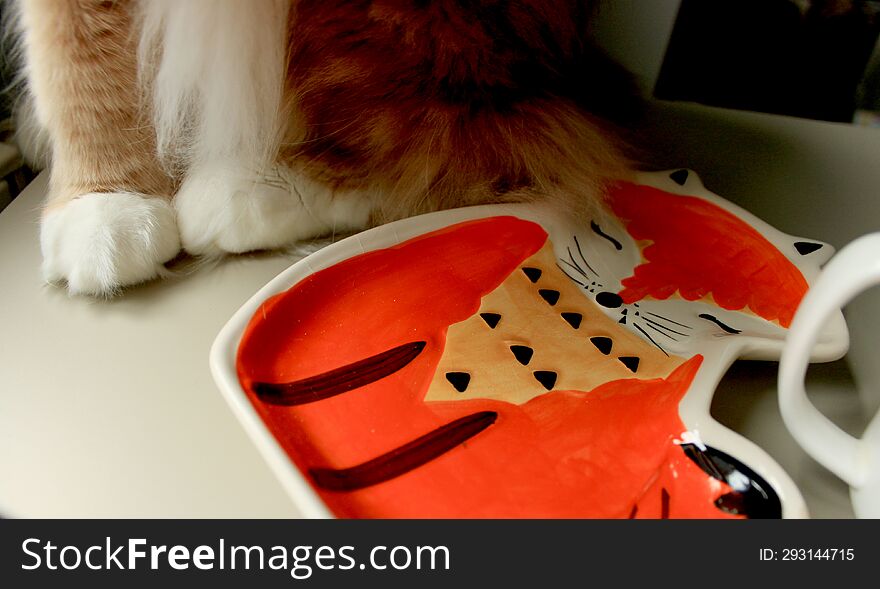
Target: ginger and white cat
column 226, row 126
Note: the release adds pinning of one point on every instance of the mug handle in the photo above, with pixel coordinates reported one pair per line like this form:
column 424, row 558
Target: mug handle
column 854, row 269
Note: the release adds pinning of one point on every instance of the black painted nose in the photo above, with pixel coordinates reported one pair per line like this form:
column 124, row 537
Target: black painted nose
column 609, row 299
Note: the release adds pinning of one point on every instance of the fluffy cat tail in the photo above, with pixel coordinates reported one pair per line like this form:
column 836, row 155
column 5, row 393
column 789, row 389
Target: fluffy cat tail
column 213, row 75
column 547, row 151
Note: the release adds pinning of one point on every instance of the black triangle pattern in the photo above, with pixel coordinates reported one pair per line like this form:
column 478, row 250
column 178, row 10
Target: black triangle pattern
column 523, row 354
column 573, row 319
column 491, row 319
column 551, row 296
column 603, row 344
column 546, row 377
column 460, row 380
column 631, row 362
column 533, row 273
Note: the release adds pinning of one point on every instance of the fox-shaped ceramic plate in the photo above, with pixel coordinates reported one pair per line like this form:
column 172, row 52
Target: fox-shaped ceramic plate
column 508, row 361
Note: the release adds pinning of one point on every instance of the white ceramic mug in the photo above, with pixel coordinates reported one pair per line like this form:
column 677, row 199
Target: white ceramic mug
column 857, row 461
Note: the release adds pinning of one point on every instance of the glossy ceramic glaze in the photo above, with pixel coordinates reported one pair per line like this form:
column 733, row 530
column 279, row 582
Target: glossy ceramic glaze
column 506, row 361
column 855, row 460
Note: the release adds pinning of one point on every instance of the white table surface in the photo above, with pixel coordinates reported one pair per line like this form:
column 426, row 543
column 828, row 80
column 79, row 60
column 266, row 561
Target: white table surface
column 108, row 409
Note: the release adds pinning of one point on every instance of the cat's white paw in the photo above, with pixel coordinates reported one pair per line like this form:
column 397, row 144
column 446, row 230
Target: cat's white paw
column 100, row 242
column 222, row 208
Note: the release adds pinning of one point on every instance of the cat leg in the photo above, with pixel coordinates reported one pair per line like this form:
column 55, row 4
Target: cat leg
column 218, row 99
column 30, row 136
column 227, row 208
column 108, row 221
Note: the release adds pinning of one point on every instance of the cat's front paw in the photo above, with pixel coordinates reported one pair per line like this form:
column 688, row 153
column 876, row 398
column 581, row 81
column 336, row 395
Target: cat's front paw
column 100, row 242
column 225, row 208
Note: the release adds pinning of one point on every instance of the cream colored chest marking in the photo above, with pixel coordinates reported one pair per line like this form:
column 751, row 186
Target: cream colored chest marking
column 538, row 332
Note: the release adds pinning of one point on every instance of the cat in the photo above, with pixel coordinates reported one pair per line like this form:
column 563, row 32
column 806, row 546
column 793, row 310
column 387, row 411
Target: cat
column 223, row 126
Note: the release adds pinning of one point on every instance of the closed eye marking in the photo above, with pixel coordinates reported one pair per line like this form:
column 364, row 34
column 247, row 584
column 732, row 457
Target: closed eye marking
column 598, row 231
column 719, row 323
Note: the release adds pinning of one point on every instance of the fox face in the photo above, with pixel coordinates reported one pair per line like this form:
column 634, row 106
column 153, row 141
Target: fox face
column 523, row 365
column 689, row 264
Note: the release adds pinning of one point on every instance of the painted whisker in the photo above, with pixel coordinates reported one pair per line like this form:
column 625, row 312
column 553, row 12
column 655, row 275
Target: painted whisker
column 637, row 326
column 581, row 254
column 649, row 321
column 575, row 267
column 578, row 266
column 662, row 332
column 570, row 276
column 667, row 319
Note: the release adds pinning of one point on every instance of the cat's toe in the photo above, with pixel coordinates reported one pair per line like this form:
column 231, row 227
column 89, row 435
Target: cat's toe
column 100, row 242
column 222, row 208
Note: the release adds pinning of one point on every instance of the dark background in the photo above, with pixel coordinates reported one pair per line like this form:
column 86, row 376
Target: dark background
column 800, row 58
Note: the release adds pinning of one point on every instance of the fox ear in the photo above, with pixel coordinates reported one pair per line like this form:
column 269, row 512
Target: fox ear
column 805, row 248
column 679, row 177
column 751, row 497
